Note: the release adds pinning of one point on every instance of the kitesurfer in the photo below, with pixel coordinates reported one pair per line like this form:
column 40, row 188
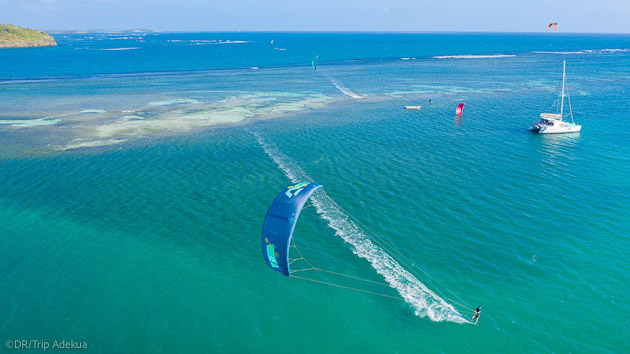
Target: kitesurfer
column 476, row 315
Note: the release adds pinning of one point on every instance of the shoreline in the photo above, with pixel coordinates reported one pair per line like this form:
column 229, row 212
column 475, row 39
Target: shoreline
column 29, row 44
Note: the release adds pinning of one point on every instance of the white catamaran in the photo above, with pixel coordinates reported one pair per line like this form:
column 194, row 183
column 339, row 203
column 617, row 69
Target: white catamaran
column 551, row 123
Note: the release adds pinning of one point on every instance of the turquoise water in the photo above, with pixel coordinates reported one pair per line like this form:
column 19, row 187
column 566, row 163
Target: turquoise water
column 135, row 182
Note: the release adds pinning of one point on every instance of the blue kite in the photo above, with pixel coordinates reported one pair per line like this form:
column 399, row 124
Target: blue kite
column 280, row 222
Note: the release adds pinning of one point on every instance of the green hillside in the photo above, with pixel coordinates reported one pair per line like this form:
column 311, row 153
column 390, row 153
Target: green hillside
column 15, row 37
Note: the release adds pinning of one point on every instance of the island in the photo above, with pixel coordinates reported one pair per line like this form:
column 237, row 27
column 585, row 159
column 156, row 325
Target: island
column 18, row 37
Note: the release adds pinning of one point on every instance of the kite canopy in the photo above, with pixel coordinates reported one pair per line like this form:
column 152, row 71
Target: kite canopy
column 280, row 222
column 314, row 62
column 554, row 24
column 460, row 109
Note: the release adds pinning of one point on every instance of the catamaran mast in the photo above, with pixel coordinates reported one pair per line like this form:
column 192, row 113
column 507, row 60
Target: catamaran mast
column 564, row 63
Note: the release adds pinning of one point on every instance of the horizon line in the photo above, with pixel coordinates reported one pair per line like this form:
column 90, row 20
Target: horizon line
column 144, row 30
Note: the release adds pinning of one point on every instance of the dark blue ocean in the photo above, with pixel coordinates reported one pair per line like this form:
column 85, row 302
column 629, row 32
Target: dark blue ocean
column 136, row 170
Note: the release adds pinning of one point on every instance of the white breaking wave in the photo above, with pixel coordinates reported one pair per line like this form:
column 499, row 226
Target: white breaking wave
column 566, row 53
column 474, row 56
column 206, row 41
column 424, row 301
column 125, row 48
column 231, row 42
column 587, row 51
column 29, row 122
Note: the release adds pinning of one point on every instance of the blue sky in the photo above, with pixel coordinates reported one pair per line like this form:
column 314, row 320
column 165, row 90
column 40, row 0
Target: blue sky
column 321, row 15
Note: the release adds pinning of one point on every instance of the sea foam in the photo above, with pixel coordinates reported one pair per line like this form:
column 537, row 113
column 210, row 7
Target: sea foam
column 29, row 122
column 474, row 56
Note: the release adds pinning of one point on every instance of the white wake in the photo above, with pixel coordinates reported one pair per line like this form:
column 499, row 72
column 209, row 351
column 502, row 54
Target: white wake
column 343, row 89
column 424, row 301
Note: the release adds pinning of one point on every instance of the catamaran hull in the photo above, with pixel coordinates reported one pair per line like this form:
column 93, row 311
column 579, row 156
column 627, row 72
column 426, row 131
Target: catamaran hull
column 534, row 128
column 560, row 130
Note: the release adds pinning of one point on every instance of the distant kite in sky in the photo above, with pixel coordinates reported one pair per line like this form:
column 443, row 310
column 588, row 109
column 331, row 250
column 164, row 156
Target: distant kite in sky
column 554, row 24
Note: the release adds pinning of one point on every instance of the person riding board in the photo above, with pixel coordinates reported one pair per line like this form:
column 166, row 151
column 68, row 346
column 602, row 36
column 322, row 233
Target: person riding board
column 476, row 315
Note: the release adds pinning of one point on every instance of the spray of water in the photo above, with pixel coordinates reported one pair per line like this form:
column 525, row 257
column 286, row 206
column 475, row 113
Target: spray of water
column 424, row 301
column 343, row 89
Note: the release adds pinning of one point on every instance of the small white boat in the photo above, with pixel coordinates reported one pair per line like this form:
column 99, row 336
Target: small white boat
column 417, row 108
column 552, row 123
